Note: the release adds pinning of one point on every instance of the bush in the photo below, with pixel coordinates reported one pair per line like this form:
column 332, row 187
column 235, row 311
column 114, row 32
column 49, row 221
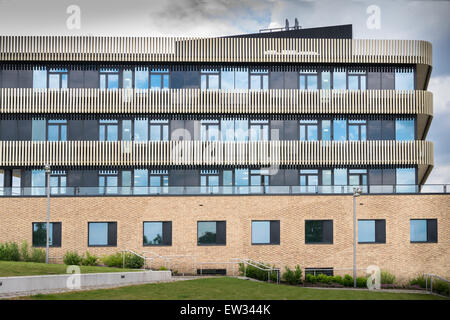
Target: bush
column 348, row 281
column 89, row 260
column 387, row 277
column 9, row 251
column 24, row 251
column 293, row 277
column 323, row 278
column 162, row 268
column 37, row 255
column 310, row 278
column 113, row 260
column 256, row 273
column 133, row 261
column 338, row 279
column 440, row 287
column 419, row 280
column 361, row 282
column 72, row 258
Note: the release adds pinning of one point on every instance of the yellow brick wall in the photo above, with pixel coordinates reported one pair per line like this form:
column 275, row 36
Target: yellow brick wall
column 398, row 255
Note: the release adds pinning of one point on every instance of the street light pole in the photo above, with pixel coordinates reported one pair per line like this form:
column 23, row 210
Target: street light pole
column 356, row 193
column 47, row 172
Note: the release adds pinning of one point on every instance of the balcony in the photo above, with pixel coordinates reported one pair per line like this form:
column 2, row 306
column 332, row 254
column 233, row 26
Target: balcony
column 237, row 50
column 196, row 101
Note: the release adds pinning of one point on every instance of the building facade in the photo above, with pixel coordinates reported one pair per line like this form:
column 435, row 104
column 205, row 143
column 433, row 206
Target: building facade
column 226, row 148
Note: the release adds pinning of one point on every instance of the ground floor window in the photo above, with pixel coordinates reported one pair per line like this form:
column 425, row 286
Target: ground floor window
column 423, row 230
column 318, row 231
column 102, row 234
column 266, row 232
column 211, row 233
column 40, row 234
column 157, row 233
column 372, row 231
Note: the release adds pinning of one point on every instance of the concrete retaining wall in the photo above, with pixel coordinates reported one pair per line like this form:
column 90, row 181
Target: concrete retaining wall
column 79, row 281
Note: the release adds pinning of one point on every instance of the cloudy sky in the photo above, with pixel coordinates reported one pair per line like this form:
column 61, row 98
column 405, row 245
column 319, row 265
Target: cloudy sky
column 398, row 19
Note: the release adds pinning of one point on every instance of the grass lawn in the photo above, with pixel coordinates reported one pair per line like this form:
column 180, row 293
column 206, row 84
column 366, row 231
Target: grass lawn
column 226, row 289
column 13, row 269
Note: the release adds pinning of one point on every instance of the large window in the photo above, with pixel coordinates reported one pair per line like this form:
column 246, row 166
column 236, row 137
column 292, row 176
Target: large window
column 357, row 177
column 38, row 182
column 266, row 232
column 102, row 234
column 210, row 130
column 406, row 180
column 159, row 181
column 158, row 233
column 234, row 129
column 340, row 79
column 404, row 129
column 40, row 78
column 38, row 130
column 210, row 79
column 140, row 181
column 339, row 129
column 423, row 230
column 234, row 78
column 371, row 231
column 404, row 80
column 40, row 234
column 211, row 233
column 308, row 80
column 319, row 231
column 309, row 180
column 108, row 130
column 58, row 182
column 159, row 130
column 209, row 181
column 141, row 78
column 57, row 130
column 357, row 80
column 108, row 181
column 357, row 130
column 109, row 78
column 326, row 80
column 259, row 130
column 308, row 130
column 159, row 79
column 57, row 78
column 259, row 79
column 141, row 129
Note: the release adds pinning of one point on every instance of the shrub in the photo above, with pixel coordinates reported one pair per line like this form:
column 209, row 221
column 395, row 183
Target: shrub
column 387, row 277
column 89, row 260
column 440, row 287
column 293, row 277
column 162, row 268
column 113, row 260
column 323, row 278
column 419, row 280
column 72, row 258
column 24, row 251
column 361, row 282
column 310, row 278
column 133, row 261
column 9, row 251
column 347, row 281
column 256, row 273
column 338, row 279
column 37, row 255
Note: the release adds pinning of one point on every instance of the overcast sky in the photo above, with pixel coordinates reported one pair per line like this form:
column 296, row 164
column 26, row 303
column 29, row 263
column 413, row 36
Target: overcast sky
column 401, row 19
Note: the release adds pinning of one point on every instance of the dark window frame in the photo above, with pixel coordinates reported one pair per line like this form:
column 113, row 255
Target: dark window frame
column 212, row 244
column 429, row 223
column 378, row 224
column 55, row 234
column 162, row 244
column 274, row 239
column 108, row 235
column 323, row 231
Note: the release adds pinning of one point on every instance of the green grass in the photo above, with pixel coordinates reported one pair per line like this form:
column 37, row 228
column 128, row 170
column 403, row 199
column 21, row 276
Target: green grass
column 14, row 269
column 226, row 289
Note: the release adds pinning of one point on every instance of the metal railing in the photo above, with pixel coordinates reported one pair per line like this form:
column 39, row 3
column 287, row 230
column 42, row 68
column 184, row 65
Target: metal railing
column 429, row 282
column 113, row 191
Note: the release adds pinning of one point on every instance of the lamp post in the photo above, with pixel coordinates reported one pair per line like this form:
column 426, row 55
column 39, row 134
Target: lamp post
column 356, row 193
column 47, row 172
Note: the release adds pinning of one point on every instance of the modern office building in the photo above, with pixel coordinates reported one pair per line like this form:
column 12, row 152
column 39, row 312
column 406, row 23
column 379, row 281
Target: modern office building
column 199, row 151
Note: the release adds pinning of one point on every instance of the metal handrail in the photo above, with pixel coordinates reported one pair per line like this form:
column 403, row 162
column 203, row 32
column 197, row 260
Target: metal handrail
column 431, row 276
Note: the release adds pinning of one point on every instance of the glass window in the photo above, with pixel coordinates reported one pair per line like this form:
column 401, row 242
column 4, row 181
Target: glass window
column 406, row 180
column 153, row 233
column 126, row 182
column 260, row 232
column 159, row 181
column 259, row 130
column 126, row 130
column 366, row 231
column 210, row 79
column 141, row 129
column 357, row 130
column 108, row 182
column 159, row 78
column 16, row 181
column 39, row 238
column 57, row 130
column 404, row 80
column 326, row 129
column 326, row 80
column 127, row 79
column 38, row 182
column 339, row 80
column 418, row 230
column 339, row 129
column 38, row 130
column 210, row 130
column 318, row 231
column 58, row 182
column 404, row 129
column 109, row 78
column 308, row 130
column 241, row 177
column 108, row 130
column 2, row 181
column 98, row 233
column 309, row 179
column 308, row 80
column 40, row 78
column 241, row 78
column 140, row 181
column 159, row 130
column 57, row 78
column 207, row 232
column 141, row 78
column 340, row 177
column 259, row 79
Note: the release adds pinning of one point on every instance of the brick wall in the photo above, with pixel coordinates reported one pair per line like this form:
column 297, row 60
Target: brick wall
column 397, row 255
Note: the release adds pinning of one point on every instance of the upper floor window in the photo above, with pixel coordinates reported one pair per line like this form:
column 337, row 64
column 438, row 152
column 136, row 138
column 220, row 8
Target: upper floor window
column 159, row 78
column 141, row 129
column 309, row 179
column 210, row 79
column 308, row 80
column 109, row 78
column 308, row 130
column 159, row 130
column 357, row 130
column 141, row 78
column 406, row 180
column 57, row 78
column 234, row 78
column 108, row 181
column 234, row 129
column 404, row 80
column 404, row 129
column 210, row 130
column 259, row 79
column 423, row 230
column 108, row 130
column 58, row 182
column 57, row 130
column 339, row 79
column 326, row 80
column 259, row 130
column 209, row 179
column 357, row 80
column 40, row 78
column 357, row 177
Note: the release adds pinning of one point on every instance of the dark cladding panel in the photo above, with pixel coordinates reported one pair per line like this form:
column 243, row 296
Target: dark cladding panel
column 8, row 129
column 75, row 178
column 291, row 130
column 389, row 176
column 291, row 177
column 177, row 130
column 192, row 79
column 373, row 80
column 388, row 130
column 387, row 81
column 177, row 79
column 278, row 178
column 176, row 178
column 90, row 178
column 24, row 129
column 91, row 79
column 374, row 129
column 291, row 80
column 276, row 129
column 276, row 80
column 191, row 178
column 76, row 79
column 91, row 130
column 26, row 179
column 25, row 78
column 10, row 79
column 376, row 177
column 75, row 130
